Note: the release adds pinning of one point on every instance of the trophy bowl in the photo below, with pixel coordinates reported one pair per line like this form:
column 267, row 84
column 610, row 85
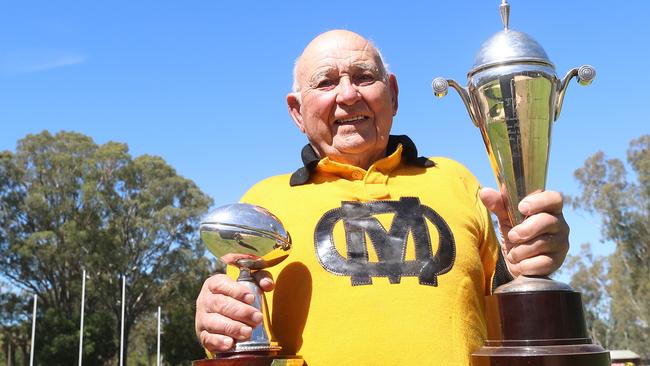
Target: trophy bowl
column 246, row 236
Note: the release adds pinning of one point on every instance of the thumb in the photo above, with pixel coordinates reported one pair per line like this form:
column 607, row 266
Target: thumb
column 265, row 280
column 493, row 200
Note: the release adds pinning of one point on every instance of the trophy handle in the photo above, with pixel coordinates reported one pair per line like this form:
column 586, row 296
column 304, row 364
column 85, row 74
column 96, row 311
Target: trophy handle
column 585, row 74
column 440, row 88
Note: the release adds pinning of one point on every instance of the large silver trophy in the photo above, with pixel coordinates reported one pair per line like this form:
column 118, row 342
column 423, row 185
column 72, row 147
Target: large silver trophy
column 250, row 238
column 514, row 96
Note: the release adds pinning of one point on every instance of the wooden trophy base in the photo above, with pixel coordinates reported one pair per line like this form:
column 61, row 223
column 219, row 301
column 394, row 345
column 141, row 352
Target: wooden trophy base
column 252, row 359
column 538, row 328
column 581, row 355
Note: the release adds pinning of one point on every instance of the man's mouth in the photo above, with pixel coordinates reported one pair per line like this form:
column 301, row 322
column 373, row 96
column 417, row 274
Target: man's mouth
column 350, row 120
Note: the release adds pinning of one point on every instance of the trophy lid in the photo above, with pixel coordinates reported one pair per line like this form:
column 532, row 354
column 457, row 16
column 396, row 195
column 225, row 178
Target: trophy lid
column 509, row 46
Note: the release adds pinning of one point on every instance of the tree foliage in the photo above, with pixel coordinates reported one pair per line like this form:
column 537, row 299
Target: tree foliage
column 616, row 289
column 591, row 280
column 15, row 325
column 66, row 204
column 180, row 345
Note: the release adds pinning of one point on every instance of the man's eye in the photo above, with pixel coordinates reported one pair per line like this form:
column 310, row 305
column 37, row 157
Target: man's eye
column 365, row 79
column 326, row 83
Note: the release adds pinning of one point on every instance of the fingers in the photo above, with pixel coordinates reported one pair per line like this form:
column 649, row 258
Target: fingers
column 224, row 313
column 546, row 201
column 493, row 201
column 215, row 323
column 223, row 296
column 538, row 245
column 231, row 309
column 536, row 225
column 545, row 245
column 222, row 284
column 265, row 280
column 541, row 265
column 215, row 342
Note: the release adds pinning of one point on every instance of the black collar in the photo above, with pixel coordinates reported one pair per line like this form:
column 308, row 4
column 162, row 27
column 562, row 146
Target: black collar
column 409, row 154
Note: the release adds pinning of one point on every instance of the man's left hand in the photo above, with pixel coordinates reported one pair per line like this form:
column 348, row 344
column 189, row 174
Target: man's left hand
column 540, row 243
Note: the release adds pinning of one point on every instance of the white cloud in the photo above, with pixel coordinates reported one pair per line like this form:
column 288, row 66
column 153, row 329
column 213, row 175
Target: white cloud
column 38, row 59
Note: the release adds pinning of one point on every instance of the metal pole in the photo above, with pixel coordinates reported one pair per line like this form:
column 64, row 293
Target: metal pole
column 158, row 347
column 31, row 351
column 122, row 321
column 81, row 327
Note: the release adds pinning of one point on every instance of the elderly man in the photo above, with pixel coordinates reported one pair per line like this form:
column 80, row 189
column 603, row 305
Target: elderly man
column 393, row 253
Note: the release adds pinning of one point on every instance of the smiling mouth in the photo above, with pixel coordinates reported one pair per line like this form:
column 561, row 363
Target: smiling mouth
column 350, row 120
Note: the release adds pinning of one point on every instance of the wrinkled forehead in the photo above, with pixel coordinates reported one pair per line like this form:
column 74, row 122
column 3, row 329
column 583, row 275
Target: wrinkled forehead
column 344, row 53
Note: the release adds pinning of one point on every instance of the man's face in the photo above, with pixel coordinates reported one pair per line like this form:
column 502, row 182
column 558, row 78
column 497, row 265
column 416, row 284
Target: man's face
column 346, row 102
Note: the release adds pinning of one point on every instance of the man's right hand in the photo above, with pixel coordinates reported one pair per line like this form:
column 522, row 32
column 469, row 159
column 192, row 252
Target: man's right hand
column 224, row 313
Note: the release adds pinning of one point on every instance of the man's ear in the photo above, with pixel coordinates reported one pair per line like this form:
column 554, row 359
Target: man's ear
column 394, row 89
column 293, row 103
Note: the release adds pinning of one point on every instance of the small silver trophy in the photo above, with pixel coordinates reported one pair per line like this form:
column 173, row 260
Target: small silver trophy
column 250, row 238
column 514, row 96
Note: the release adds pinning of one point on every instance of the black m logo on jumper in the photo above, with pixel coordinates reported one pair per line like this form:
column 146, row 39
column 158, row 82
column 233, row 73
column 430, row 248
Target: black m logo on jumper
column 359, row 219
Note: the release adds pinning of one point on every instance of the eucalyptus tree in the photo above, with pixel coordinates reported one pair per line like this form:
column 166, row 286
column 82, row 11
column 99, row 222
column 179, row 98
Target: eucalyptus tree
column 617, row 288
column 67, row 203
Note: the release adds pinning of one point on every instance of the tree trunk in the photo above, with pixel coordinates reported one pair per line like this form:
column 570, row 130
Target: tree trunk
column 126, row 343
column 25, row 352
column 11, row 355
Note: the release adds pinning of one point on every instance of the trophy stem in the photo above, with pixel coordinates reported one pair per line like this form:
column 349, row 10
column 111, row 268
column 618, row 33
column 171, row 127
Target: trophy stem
column 260, row 341
column 245, row 275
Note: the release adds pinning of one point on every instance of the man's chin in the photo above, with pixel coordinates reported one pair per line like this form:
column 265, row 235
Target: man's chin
column 365, row 151
column 354, row 146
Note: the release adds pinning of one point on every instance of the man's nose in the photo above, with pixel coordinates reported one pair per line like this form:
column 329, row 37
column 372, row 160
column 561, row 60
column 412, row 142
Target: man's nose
column 348, row 93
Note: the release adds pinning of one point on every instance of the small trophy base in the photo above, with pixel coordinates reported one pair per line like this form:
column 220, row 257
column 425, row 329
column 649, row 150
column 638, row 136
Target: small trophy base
column 537, row 322
column 252, row 359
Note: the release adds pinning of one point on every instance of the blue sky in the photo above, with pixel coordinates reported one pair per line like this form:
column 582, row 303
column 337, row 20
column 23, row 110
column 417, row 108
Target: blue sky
column 203, row 83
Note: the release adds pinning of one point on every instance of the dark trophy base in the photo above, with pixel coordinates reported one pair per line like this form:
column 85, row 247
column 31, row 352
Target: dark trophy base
column 252, row 359
column 537, row 323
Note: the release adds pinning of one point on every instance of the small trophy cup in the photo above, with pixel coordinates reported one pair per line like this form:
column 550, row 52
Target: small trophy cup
column 250, row 238
column 514, row 96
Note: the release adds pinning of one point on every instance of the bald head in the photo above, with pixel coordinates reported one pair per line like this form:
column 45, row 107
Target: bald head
column 344, row 100
column 334, row 39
